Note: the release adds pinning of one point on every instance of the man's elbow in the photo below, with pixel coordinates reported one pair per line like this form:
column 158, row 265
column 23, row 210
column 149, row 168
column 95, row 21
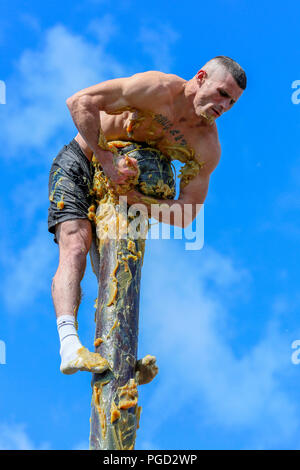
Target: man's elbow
column 180, row 222
column 186, row 223
column 79, row 100
column 181, row 216
column 71, row 101
column 190, row 212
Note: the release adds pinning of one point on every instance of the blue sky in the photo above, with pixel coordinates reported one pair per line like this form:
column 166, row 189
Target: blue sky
column 220, row 320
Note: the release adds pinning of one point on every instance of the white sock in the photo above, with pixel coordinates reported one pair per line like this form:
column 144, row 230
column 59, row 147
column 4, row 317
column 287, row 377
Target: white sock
column 68, row 336
column 72, row 359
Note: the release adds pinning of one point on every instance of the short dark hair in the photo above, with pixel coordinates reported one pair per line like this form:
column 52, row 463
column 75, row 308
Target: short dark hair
column 234, row 68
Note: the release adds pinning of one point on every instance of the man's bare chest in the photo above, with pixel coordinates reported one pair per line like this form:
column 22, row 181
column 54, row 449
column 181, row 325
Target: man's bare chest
column 173, row 137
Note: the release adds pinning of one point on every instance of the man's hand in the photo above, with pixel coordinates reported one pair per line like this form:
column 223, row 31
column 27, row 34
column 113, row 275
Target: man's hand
column 119, row 168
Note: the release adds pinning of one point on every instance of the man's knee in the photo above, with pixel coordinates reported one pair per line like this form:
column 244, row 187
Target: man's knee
column 74, row 238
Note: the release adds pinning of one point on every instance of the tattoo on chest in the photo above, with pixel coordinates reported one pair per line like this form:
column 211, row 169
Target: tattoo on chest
column 167, row 127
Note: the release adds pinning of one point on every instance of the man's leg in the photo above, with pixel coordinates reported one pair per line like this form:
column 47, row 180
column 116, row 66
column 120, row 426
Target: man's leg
column 74, row 238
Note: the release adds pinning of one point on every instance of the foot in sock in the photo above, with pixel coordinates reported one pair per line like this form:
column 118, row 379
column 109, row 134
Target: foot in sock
column 74, row 356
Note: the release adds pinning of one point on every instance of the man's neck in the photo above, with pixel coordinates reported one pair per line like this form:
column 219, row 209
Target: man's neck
column 184, row 109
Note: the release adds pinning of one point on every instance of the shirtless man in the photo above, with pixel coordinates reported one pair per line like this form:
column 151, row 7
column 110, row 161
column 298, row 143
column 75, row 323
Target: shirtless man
column 184, row 113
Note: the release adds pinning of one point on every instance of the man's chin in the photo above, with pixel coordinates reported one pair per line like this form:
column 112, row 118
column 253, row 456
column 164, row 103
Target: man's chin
column 209, row 119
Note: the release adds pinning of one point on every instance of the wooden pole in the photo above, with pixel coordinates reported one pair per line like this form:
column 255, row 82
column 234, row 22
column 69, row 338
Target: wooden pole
column 117, row 257
column 115, row 412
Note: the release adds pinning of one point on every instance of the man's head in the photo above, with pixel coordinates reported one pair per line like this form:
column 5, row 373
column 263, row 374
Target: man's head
column 218, row 85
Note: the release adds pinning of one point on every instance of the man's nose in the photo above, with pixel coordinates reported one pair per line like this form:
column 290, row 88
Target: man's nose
column 226, row 104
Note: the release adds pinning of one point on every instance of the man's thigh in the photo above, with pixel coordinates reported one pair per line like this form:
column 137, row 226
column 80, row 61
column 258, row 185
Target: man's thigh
column 70, row 187
column 75, row 234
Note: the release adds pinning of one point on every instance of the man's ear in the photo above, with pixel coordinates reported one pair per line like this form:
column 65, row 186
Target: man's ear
column 201, row 75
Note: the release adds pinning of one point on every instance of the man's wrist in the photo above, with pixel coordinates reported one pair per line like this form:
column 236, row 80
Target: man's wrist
column 104, row 157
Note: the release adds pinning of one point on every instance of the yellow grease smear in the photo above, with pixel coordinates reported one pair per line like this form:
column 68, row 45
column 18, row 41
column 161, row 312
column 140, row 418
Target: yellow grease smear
column 134, row 257
column 128, row 395
column 97, row 342
column 116, row 323
column 138, row 416
column 114, row 412
column 113, row 287
column 125, row 423
column 161, row 188
column 91, row 212
column 97, row 394
column 51, row 197
column 131, row 246
column 126, row 266
column 90, row 359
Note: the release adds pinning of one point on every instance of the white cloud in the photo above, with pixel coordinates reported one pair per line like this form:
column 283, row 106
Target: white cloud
column 103, row 29
column 157, row 42
column 36, row 192
column 15, row 437
column 146, row 445
column 63, row 64
column 83, row 445
column 28, row 272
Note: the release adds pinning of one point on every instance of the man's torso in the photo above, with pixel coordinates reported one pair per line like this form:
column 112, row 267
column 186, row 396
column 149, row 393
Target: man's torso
column 171, row 132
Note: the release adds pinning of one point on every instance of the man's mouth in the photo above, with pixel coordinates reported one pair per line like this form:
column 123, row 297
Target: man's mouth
column 216, row 111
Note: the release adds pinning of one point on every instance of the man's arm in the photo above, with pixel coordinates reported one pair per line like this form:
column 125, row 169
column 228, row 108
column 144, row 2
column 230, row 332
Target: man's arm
column 182, row 211
column 141, row 91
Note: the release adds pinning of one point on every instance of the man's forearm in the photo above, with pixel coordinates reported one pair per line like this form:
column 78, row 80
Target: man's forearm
column 173, row 212
column 177, row 213
column 86, row 117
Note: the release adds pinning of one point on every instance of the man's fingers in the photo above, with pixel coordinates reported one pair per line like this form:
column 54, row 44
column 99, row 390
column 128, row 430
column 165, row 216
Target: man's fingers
column 134, row 162
column 131, row 161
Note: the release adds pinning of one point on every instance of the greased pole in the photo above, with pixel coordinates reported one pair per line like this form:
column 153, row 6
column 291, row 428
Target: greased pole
column 117, row 256
column 117, row 261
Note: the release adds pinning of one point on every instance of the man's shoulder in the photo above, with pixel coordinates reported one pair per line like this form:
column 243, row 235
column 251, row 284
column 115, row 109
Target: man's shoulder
column 209, row 149
column 153, row 88
column 158, row 78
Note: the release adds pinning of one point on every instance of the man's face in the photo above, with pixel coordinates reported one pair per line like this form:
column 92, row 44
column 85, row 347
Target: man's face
column 216, row 94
